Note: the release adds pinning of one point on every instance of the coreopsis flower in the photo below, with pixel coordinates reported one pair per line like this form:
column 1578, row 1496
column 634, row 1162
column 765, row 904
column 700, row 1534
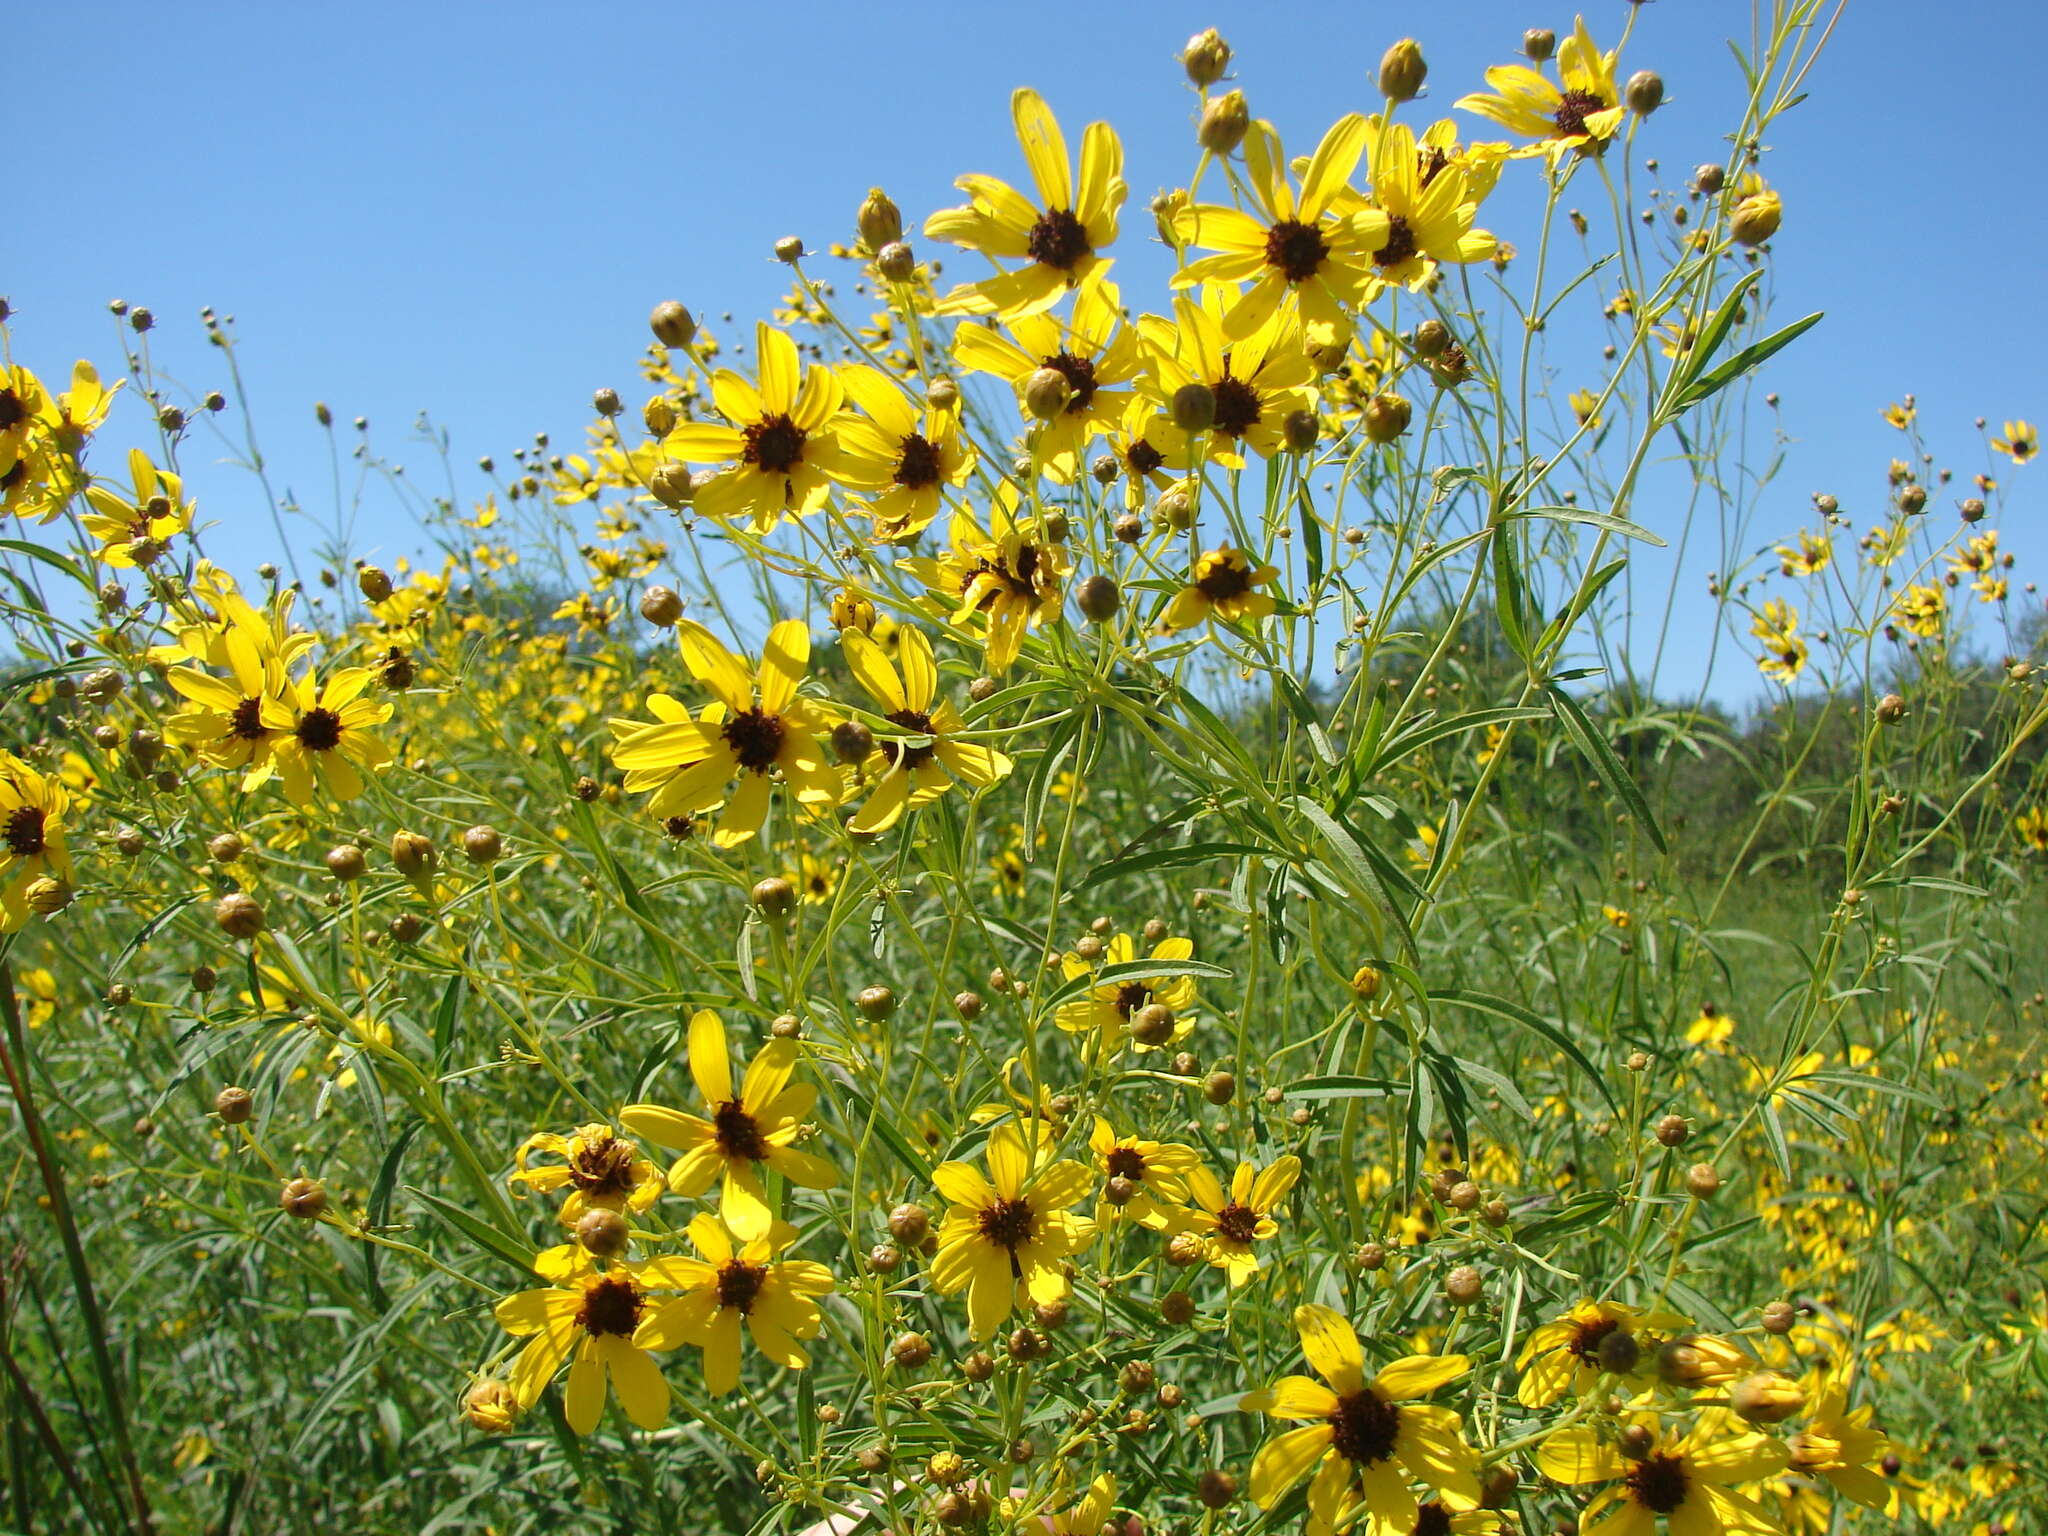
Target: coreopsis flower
column 1006, row 1235
column 903, row 457
column 1257, row 382
column 1061, row 235
column 223, row 718
column 1784, row 652
column 587, row 1317
column 1089, row 1516
column 82, row 408
column 1093, row 351
column 133, row 531
column 1585, row 407
column 1711, row 1029
column 1294, row 249
column 815, row 880
column 1582, row 111
column 1809, row 559
column 1147, row 446
column 604, row 1171
column 2020, row 442
column 1841, row 1445
column 728, row 1287
column 1011, row 575
column 1573, row 1352
column 913, row 772
column 1232, row 1224
column 1103, row 1014
column 1686, row 1478
column 1155, row 1171
column 1421, row 214
column 204, row 634
column 321, row 732
column 746, row 1132
column 1882, row 546
column 1920, row 609
column 32, row 811
column 1364, row 1439
column 2032, row 827
column 781, row 451
column 759, row 726
column 1224, row 585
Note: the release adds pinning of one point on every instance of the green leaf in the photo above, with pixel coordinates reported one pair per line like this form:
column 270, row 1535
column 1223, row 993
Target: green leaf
column 1164, row 858
column 1748, row 358
column 1602, row 520
column 1500, row 1007
column 1594, row 747
column 515, row 1251
column 1343, row 1086
column 48, row 557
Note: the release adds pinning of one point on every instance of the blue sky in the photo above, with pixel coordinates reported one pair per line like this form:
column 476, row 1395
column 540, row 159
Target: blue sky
column 469, row 209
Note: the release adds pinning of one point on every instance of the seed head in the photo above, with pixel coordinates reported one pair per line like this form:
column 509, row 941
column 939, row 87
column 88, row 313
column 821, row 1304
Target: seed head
column 226, row 848
column 1299, row 431
column 884, row 1258
column 1708, row 178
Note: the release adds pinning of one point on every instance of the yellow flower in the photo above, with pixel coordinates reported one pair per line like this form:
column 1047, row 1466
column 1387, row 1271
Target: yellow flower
column 1097, row 356
column 1062, row 235
column 759, row 726
column 1232, row 1223
column 1363, row 1438
column 781, row 450
column 591, row 1315
column 1573, row 1352
column 2032, row 826
column 1258, row 382
column 816, row 880
column 747, row 1132
column 1147, row 444
column 223, row 721
column 1105, row 1011
column 726, row 1287
column 32, row 809
column 1711, row 1029
column 134, row 532
column 320, row 733
column 1156, row 1171
column 22, row 404
column 1921, row 609
column 2020, row 443
column 1421, row 213
column 1012, row 575
column 1005, row 1236
column 1901, row 415
column 604, row 1171
column 1090, row 1515
column 1841, row 1445
column 1294, row 250
column 913, row 773
column 1784, row 653
column 1582, row 111
column 1809, row 559
column 905, row 457
column 1686, row 1479
column 1223, row 586
column 1585, row 407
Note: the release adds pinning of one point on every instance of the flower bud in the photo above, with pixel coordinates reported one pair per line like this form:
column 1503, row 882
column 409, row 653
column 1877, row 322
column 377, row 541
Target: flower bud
column 239, row 915
column 1756, row 218
column 1152, row 1024
column 1463, row 1286
column 1539, row 43
column 413, row 854
column 1891, row 709
column 1636, row 1441
column 1619, row 1352
column 303, row 1198
column 789, row 250
column 345, row 862
column 1219, row 1088
column 884, row 1259
column 659, row 415
column 942, row 394
column 912, row 1351
column 47, row 895
column 896, row 261
column 1299, row 431
column 1177, row 1308
column 1402, row 71
column 775, row 896
column 909, row 1223
column 1779, row 1317
column 491, row 1406
column 1431, row 337
column 1100, row 598
column 1205, row 58
column 1370, row 1257
column 1387, row 417
column 1047, row 393
column 234, row 1105
column 1644, row 92
column 1216, row 1490
column 1702, row 1181
column 979, row 1366
column 879, row 220
column 1464, row 1196
column 226, row 848
column 603, row 1232
column 481, row 844
column 1183, row 1249
column 674, row 326
column 661, row 605
column 1766, row 1398
column 1194, row 407
column 875, row 1003
column 374, row 582
column 1672, row 1131
column 672, row 485
column 1225, row 121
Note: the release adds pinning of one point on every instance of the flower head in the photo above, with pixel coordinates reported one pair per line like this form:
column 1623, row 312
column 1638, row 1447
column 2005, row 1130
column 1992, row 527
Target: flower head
column 728, row 1287
column 1232, row 1223
column 1007, row 1233
column 1105, row 1012
column 914, row 771
column 32, row 811
column 1257, row 382
column 1156, row 1172
column 320, row 732
column 1686, row 1478
column 602, row 1170
column 2020, row 442
column 1581, row 111
column 588, row 1317
column 1223, row 586
column 1593, row 1340
column 1012, row 575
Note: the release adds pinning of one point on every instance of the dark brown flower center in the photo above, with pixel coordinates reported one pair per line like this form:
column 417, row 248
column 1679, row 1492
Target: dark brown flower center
column 1573, row 111
column 755, row 738
column 1224, row 580
column 1585, row 1341
column 12, row 411
column 1018, row 574
column 1658, row 1483
column 1365, row 1427
column 775, row 443
column 397, row 669
column 1239, row 1223
column 739, row 1284
column 246, row 721
column 602, row 1167
column 1400, row 245
column 917, row 723
column 1141, row 458
column 611, row 1305
column 1057, row 240
column 680, row 827
column 918, row 466
column 1238, row 407
column 1007, row 1223
column 1079, row 372
column 1126, row 1163
column 319, row 730
column 1297, row 249
column 1132, row 996
column 737, row 1134
column 1432, row 1519
column 25, row 838
column 1429, row 164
